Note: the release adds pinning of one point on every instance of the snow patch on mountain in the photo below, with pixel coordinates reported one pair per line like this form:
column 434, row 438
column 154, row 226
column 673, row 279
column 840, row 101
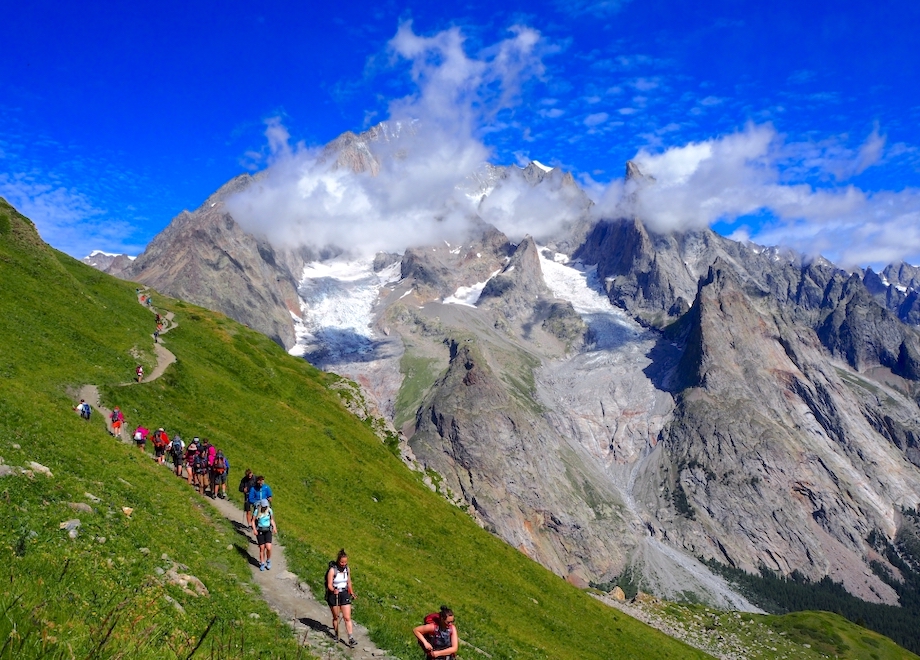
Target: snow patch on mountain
column 580, row 285
column 468, row 295
column 338, row 299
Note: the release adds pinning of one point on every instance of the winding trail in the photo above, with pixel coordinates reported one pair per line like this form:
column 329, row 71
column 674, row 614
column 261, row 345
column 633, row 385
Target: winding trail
column 285, row 593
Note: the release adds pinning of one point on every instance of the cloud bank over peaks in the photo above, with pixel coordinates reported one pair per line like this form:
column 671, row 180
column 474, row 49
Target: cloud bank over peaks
column 788, row 188
column 407, row 181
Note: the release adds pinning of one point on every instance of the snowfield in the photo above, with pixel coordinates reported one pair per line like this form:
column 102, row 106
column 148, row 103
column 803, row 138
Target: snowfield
column 337, row 301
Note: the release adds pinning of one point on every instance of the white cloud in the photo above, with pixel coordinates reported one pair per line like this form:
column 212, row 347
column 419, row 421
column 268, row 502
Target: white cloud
column 66, row 218
column 411, row 185
column 596, row 119
column 737, row 175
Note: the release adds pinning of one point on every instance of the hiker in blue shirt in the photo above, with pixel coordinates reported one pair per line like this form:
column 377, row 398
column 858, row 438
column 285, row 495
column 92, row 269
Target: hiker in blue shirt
column 260, row 491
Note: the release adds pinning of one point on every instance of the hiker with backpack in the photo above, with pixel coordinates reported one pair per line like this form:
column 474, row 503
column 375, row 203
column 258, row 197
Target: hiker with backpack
column 200, row 467
column 259, row 491
column 139, row 373
column 177, row 452
column 117, row 418
column 438, row 636
column 246, row 483
column 84, row 409
column 190, row 454
column 160, row 443
column 219, row 476
column 263, row 525
column 339, row 594
column 140, row 437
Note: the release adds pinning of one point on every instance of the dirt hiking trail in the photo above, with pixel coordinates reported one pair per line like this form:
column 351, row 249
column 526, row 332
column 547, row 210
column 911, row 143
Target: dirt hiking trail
column 284, row 592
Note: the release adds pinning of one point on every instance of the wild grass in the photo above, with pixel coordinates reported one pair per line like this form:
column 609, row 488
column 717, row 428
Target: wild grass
column 104, row 593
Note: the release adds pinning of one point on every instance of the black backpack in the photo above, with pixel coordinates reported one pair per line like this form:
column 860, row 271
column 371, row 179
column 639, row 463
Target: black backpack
column 332, row 564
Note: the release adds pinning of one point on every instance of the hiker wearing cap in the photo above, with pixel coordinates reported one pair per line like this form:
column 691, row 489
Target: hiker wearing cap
column 190, row 453
column 260, row 491
column 246, row 483
column 263, row 525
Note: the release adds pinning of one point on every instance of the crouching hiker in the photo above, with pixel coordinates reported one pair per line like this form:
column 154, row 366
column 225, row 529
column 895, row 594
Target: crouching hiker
column 263, row 525
column 438, row 636
column 339, row 594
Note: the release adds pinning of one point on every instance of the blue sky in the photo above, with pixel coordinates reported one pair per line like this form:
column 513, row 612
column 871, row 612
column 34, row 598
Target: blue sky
column 115, row 117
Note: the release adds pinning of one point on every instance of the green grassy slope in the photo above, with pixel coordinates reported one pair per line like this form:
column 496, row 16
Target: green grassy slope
column 101, row 594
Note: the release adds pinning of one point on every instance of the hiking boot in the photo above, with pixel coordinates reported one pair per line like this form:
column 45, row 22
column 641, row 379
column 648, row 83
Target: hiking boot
column 261, row 567
column 268, row 565
column 351, row 642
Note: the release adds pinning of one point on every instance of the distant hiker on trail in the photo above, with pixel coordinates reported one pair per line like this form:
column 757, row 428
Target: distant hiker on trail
column 139, row 373
column 117, row 419
column 190, row 453
column 260, row 491
column 438, row 636
column 149, row 301
column 200, row 467
column 140, row 437
column 219, row 471
column 84, row 409
column 177, row 452
column 263, row 525
column 160, row 443
column 246, row 483
column 339, row 594
column 156, row 335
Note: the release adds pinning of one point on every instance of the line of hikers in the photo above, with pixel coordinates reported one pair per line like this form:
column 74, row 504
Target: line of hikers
column 207, row 469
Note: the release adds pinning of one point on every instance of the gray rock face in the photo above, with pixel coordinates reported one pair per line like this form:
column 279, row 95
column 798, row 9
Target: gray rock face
column 773, row 456
column 494, row 448
column 113, row 264
column 205, row 258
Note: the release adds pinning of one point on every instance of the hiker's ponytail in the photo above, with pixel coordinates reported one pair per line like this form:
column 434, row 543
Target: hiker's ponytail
column 445, row 612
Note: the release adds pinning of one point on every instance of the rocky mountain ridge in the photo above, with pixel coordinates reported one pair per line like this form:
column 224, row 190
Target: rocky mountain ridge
column 618, row 399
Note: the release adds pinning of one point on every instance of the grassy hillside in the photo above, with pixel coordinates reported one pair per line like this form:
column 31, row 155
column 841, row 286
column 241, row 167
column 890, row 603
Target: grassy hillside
column 336, row 485
column 103, row 593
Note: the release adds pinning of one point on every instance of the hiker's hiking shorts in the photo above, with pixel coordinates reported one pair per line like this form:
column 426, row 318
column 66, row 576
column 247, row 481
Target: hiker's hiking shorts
column 263, row 537
column 338, row 599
